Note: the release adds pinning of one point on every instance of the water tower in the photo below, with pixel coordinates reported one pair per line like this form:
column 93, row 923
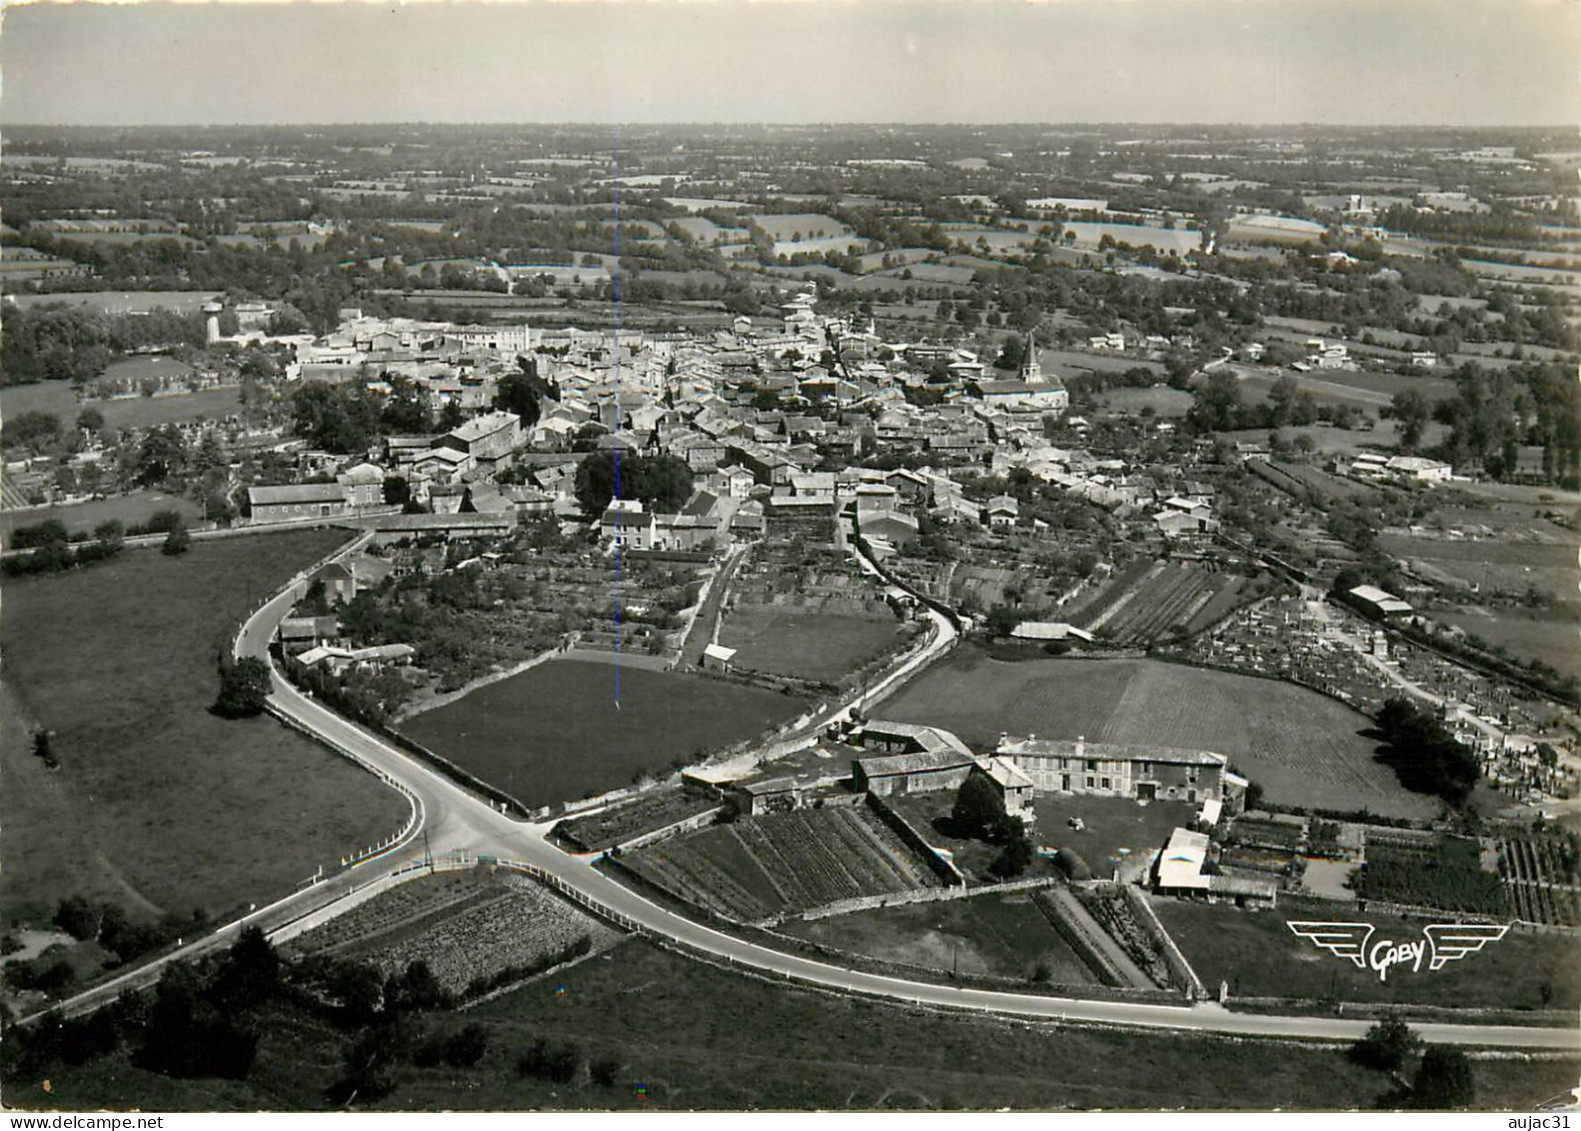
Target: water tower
column 212, row 310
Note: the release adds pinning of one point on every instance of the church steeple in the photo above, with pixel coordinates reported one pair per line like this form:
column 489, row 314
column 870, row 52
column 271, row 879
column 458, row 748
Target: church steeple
column 1031, row 371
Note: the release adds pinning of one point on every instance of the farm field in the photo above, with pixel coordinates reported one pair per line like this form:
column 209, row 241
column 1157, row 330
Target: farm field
column 1301, row 480
column 809, row 645
column 1540, row 879
column 1303, row 748
column 1259, row 956
column 784, row 862
column 1170, row 404
column 132, row 510
column 1152, row 599
column 1528, row 634
column 1500, row 564
column 997, row 935
column 690, row 1036
column 554, row 733
column 469, row 927
column 160, row 806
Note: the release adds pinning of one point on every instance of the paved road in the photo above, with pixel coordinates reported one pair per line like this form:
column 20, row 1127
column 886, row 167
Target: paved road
column 705, row 625
column 455, row 820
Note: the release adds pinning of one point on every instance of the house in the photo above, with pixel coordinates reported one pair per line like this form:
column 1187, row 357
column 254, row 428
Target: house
column 718, row 658
column 297, row 501
column 298, row 634
column 1015, row 788
column 364, row 484
column 626, row 524
column 340, row 585
column 897, row 529
column 736, row 482
column 1420, row 468
column 910, row 759
column 488, row 439
column 1003, row 510
column 1147, row 773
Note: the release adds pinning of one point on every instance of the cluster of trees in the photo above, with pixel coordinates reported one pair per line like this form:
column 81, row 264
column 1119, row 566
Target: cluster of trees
column 244, row 688
column 74, row 343
column 979, row 812
column 1443, row 1078
column 347, row 418
column 1218, row 406
column 52, row 551
column 660, row 482
column 1425, row 756
column 1494, row 412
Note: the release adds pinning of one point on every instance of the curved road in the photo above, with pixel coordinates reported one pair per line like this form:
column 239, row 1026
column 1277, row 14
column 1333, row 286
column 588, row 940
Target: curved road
column 457, row 821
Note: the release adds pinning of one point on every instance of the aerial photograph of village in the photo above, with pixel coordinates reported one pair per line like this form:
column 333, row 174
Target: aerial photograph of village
column 880, row 556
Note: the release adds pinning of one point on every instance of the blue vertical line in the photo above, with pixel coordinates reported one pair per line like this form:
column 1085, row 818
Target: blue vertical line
column 615, row 432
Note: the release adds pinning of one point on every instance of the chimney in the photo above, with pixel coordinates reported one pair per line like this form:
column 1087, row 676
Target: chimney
column 1081, row 745
column 1004, row 739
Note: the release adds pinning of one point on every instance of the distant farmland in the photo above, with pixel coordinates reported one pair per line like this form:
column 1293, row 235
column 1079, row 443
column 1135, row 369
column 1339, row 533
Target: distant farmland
column 554, row 732
column 1304, row 748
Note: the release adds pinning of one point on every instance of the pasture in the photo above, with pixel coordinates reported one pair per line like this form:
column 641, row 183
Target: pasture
column 995, row 935
column 1170, row 404
column 808, row 645
column 1259, row 956
column 158, row 805
column 1302, row 747
column 555, row 732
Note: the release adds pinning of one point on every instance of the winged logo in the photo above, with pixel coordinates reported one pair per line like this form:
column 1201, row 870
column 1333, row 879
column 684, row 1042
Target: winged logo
column 1454, row 941
column 1348, row 940
column 1441, row 943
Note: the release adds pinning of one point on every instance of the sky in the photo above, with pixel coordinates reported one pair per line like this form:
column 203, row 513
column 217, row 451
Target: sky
column 1357, row 62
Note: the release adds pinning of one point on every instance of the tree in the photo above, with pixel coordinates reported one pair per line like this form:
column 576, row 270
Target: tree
column 90, row 420
column 1443, row 1080
column 1386, row 1045
column 177, row 542
column 465, row 1047
column 244, row 689
column 978, row 810
column 1411, row 413
column 1001, row 620
column 111, row 535
column 1012, row 354
column 522, row 392
column 1016, row 856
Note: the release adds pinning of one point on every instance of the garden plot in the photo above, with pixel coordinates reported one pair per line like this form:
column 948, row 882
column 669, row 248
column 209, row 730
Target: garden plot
column 784, row 862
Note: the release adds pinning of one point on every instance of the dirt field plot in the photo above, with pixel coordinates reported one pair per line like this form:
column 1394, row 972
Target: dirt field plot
column 1004, row 936
column 1259, row 956
column 1305, row 749
column 159, row 805
column 784, row 862
column 555, row 733
column 808, row 645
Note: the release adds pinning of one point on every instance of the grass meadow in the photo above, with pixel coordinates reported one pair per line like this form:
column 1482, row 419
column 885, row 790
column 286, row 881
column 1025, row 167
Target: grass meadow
column 555, row 733
column 159, row 805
